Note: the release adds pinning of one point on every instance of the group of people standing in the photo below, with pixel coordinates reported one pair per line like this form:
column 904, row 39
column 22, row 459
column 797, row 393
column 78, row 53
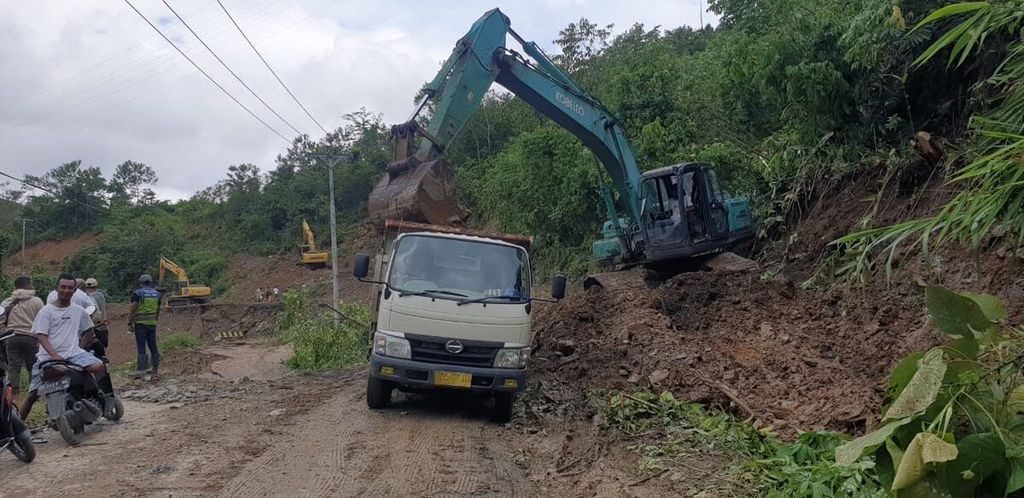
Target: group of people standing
column 268, row 295
column 72, row 325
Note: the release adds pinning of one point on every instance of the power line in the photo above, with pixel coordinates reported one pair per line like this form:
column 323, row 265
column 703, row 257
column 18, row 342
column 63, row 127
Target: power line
column 44, row 189
column 130, row 83
column 221, row 61
column 265, row 63
column 232, row 97
column 120, row 87
column 83, row 86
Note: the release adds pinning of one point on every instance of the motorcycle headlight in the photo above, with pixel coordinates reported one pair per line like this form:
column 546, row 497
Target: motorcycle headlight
column 511, row 358
column 395, row 347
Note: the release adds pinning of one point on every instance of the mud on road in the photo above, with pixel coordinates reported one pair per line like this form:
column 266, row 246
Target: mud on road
column 234, row 429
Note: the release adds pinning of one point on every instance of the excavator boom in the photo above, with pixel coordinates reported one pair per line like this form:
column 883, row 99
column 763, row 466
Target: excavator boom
column 179, row 272
column 419, row 184
column 308, row 234
column 673, row 212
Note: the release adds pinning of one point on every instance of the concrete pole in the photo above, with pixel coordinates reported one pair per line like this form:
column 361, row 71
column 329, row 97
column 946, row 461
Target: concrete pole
column 334, row 239
column 24, row 264
column 330, row 160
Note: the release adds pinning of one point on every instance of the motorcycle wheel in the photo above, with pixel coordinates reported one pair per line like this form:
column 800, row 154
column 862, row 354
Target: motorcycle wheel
column 21, row 446
column 72, row 433
column 118, row 410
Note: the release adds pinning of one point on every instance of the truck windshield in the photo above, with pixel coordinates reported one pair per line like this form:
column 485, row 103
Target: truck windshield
column 472, row 269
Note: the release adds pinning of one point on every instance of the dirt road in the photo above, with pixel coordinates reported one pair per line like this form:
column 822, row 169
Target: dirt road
column 225, row 433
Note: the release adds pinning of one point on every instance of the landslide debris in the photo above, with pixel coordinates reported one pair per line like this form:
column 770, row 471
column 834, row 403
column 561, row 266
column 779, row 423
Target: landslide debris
column 736, row 338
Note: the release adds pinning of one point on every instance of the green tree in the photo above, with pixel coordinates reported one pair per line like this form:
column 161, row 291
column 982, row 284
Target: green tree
column 73, row 201
column 129, row 181
column 581, row 41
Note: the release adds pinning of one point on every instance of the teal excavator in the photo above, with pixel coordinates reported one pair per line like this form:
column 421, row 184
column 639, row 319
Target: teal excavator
column 670, row 213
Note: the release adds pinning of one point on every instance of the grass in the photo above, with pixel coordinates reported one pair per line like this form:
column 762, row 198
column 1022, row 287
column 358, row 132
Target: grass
column 677, row 438
column 318, row 344
column 174, row 342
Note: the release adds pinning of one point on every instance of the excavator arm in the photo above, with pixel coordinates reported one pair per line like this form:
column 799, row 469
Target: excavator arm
column 179, row 272
column 307, row 233
column 419, row 182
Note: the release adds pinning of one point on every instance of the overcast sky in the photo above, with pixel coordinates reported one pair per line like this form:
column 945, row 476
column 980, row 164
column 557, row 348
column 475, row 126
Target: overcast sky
column 90, row 80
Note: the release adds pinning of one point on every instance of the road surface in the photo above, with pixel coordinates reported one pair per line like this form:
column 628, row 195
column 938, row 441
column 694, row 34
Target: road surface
column 248, row 427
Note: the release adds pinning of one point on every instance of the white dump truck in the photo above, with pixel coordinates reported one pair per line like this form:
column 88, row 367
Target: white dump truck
column 451, row 310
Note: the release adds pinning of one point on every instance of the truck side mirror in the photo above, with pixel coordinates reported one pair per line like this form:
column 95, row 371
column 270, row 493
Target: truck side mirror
column 361, row 266
column 558, row 287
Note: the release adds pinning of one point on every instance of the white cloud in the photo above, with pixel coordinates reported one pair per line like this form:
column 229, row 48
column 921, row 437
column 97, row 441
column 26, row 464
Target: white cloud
column 90, row 80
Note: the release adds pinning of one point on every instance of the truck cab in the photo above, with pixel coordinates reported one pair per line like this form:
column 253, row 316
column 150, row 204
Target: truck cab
column 452, row 311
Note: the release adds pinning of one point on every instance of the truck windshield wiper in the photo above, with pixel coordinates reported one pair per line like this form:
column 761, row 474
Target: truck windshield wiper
column 431, row 291
column 481, row 299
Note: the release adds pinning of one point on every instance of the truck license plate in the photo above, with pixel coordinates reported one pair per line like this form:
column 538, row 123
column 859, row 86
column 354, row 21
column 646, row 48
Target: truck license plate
column 453, row 379
column 57, row 385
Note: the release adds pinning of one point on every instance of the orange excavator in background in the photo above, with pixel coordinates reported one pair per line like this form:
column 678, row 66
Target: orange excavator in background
column 181, row 292
column 308, row 253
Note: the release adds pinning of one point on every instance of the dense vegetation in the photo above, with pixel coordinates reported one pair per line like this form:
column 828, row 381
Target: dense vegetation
column 319, row 344
column 783, row 96
column 952, row 428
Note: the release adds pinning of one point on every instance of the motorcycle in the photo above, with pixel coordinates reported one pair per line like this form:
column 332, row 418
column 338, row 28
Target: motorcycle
column 14, row 435
column 76, row 398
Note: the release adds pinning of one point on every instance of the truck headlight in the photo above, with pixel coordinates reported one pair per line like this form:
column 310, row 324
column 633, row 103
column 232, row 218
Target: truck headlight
column 395, row 347
column 511, row 358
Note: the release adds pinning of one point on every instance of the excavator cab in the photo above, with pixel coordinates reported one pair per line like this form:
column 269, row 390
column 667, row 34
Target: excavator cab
column 686, row 213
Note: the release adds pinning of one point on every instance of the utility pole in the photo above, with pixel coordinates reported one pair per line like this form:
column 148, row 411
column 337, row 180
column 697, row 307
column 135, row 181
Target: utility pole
column 330, row 160
column 24, row 264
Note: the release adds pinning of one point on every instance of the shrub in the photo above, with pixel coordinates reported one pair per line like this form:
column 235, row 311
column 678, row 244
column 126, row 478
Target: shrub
column 175, row 342
column 319, row 345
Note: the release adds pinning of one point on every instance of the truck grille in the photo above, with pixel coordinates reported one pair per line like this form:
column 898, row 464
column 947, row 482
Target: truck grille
column 434, row 352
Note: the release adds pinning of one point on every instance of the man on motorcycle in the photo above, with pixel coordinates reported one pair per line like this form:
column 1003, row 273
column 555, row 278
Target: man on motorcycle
column 63, row 329
column 79, row 297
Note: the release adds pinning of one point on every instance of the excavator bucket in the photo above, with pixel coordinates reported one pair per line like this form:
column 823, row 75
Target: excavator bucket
column 416, row 191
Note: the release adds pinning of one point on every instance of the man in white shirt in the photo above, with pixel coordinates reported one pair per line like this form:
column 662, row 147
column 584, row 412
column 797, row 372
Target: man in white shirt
column 63, row 328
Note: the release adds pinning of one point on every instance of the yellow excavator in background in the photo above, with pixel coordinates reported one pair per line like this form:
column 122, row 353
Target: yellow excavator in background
column 308, row 254
column 182, row 292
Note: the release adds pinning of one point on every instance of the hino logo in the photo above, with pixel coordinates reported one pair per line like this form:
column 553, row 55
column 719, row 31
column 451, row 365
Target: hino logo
column 569, row 103
column 453, row 347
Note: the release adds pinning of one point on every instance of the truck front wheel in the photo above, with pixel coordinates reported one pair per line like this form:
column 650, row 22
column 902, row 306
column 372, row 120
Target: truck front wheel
column 378, row 393
column 503, row 403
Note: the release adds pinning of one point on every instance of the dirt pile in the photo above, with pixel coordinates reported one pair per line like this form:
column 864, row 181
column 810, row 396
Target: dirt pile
column 187, row 362
column 48, row 255
column 790, row 358
column 761, row 343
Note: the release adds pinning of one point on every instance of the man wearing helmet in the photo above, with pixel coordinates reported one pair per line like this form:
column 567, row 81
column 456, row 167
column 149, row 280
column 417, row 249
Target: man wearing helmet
column 142, row 322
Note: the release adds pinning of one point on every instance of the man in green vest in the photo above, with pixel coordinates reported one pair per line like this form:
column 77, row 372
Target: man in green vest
column 142, row 322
